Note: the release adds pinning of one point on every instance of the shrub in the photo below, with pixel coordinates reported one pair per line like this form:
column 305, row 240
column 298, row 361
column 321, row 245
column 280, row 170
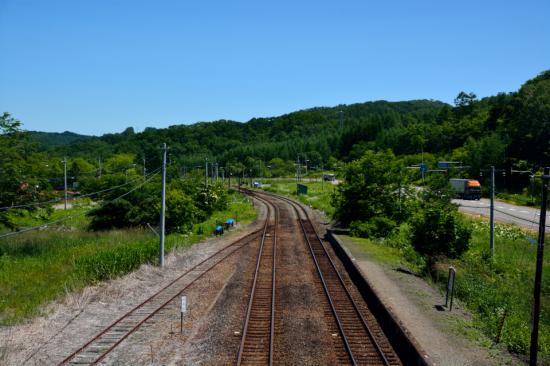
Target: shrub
column 360, row 229
column 375, row 186
column 110, row 215
column 181, row 212
column 377, row 227
column 439, row 231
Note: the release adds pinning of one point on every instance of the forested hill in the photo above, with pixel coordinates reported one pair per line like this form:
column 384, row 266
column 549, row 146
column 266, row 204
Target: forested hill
column 511, row 129
column 50, row 140
column 314, row 131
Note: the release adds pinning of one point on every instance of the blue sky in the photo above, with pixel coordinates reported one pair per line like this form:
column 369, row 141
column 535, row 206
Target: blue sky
column 99, row 66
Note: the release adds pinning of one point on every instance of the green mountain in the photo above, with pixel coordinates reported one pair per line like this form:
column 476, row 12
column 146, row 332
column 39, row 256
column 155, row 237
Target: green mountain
column 508, row 130
column 49, row 140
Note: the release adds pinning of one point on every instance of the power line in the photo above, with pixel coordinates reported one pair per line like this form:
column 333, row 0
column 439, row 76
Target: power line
column 503, row 212
column 44, row 226
column 6, row 208
column 517, row 217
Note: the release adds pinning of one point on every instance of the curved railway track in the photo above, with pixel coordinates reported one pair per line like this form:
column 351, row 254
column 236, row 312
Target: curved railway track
column 355, row 339
column 360, row 344
column 256, row 346
column 98, row 347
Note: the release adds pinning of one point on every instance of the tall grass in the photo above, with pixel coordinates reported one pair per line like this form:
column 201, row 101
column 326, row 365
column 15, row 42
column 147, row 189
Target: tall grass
column 502, row 288
column 38, row 267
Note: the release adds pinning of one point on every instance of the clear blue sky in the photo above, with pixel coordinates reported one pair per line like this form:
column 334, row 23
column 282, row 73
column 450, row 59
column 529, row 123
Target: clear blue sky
column 99, row 66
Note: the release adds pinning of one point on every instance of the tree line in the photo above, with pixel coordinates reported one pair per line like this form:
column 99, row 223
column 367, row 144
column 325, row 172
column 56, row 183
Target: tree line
column 508, row 130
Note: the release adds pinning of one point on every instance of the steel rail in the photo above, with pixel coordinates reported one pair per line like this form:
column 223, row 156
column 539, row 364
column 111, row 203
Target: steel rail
column 273, row 279
column 333, row 308
column 247, row 239
column 254, row 287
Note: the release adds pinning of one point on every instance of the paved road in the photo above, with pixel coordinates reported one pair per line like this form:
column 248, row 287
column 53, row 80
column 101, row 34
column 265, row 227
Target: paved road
column 526, row 217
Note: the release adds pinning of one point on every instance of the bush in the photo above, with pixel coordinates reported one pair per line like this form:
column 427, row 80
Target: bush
column 181, row 212
column 374, row 186
column 377, row 227
column 438, row 230
column 111, row 215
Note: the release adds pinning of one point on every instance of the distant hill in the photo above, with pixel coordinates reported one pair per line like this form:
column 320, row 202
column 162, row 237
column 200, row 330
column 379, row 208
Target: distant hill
column 508, row 129
column 316, row 132
column 49, row 140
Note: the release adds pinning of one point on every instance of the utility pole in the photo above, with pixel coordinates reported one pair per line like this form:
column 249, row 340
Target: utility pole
column 538, row 273
column 65, row 179
column 298, row 169
column 144, row 168
column 492, row 214
column 206, row 173
column 162, row 205
column 322, row 178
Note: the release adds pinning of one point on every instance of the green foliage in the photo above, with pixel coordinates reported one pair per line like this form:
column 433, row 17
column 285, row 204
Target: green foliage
column 113, row 262
column 503, row 284
column 436, row 226
column 211, row 199
column 376, row 227
column 375, row 186
column 439, row 231
column 39, row 267
column 181, row 211
column 110, row 215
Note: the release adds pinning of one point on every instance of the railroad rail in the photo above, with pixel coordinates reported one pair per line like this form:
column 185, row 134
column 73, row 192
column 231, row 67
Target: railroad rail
column 256, row 346
column 360, row 345
column 98, row 347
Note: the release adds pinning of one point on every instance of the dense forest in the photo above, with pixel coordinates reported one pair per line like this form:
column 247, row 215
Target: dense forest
column 508, row 130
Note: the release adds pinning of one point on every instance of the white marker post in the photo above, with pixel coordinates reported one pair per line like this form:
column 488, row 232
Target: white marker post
column 183, row 310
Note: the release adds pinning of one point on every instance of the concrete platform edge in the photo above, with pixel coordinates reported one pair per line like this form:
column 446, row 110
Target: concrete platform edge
column 410, row 351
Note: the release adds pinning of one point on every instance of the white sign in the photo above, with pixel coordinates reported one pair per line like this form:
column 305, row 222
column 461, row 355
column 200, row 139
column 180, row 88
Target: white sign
column 183, row 304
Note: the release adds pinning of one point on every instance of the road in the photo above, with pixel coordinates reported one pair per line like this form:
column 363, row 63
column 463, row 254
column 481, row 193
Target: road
column 527, row 217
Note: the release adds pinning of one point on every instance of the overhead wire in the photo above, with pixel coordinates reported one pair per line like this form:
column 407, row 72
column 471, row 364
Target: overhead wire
column 505, row 213
column 6, row 208
column 46, row 225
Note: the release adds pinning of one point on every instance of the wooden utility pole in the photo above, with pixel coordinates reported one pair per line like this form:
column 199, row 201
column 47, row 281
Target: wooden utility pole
column 538, row 273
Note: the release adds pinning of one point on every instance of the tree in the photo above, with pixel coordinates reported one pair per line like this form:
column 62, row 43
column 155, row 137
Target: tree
column 9, row 125
column 374, row 186
column 464, row 99
column 436, row 226
column 529, row 121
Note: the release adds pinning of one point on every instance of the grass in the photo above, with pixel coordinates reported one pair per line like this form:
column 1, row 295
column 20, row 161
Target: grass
column 520, row 199
column 318, row 195
column 39, row 267
column 502, row 288
column 490, row 289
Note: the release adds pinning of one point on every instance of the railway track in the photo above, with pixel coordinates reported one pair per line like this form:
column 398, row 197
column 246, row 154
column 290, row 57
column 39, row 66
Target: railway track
column 256, row 346
column 359, row 344
column 98, row 347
